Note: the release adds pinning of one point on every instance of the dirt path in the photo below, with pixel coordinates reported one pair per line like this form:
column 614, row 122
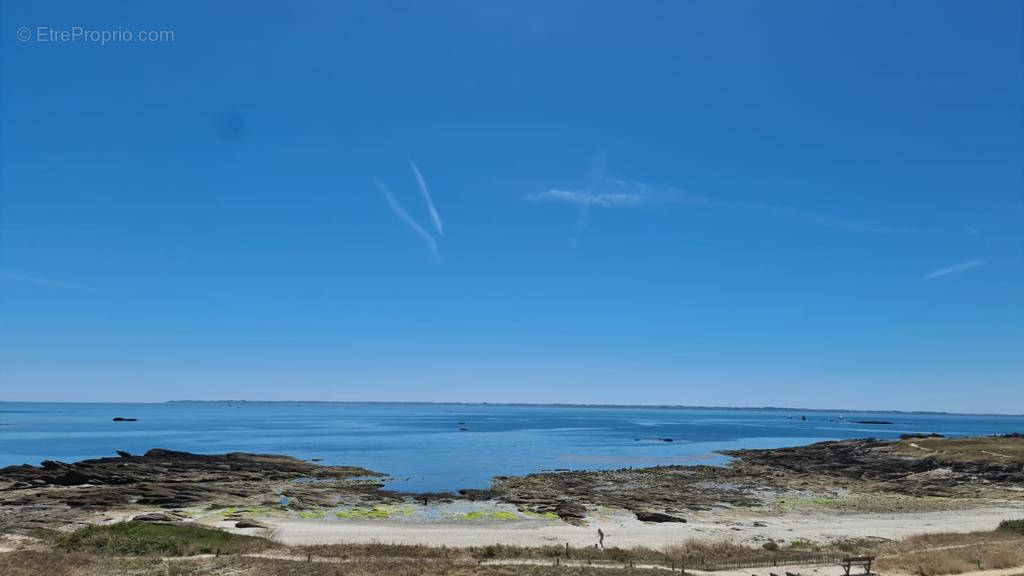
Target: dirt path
column 805, row 569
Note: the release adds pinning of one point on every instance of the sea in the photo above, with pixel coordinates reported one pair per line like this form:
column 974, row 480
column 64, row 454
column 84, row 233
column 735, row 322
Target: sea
column 439, row 447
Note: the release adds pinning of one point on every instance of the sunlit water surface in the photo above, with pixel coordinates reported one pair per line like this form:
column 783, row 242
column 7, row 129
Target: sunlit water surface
column 426, row 447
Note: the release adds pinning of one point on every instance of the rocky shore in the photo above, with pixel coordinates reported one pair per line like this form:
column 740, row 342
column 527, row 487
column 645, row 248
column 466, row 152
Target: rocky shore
column 916, row 466
column 57, row 492
column 165, row 482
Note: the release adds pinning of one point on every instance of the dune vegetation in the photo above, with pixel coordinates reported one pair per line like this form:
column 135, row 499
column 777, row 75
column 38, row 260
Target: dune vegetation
column 141, row 549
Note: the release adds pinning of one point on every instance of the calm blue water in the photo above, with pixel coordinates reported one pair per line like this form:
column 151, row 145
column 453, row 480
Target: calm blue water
column 421, row 445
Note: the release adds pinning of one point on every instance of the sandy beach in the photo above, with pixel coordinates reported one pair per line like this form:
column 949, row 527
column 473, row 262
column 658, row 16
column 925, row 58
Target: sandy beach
column 622, row 529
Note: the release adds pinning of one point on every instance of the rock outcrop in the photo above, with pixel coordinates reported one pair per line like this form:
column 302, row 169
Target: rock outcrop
column 926, row 465
column 918, row 466
column 167, row 479
column 59, row 493
column 250, row 523
column 658, row 517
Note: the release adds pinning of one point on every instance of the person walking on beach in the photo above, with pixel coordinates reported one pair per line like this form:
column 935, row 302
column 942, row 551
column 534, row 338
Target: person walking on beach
column 600, row 538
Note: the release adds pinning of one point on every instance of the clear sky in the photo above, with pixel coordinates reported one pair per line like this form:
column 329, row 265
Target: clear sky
column 809, row 204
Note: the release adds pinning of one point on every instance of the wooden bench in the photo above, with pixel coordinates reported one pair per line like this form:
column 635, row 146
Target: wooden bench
column 852, row 561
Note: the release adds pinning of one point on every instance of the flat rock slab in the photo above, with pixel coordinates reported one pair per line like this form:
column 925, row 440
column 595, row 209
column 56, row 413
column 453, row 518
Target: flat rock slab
column 658, row 517
column 250, row 523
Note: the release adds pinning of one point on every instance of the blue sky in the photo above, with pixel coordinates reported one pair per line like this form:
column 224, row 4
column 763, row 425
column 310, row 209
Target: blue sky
column 809, row 204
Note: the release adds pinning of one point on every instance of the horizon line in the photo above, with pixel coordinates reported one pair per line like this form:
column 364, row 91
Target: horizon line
column 532, row 404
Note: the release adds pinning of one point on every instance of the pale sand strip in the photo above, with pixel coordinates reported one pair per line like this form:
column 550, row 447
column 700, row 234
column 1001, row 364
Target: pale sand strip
column 624, row 530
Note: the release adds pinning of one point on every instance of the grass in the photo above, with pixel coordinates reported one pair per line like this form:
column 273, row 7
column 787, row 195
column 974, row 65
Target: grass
column 64, row 564
column 137, row 549
column 802, row 545
column 143, row 539
column 956, row 561
column 977, row 449
column 946, row 553
column 690, row 550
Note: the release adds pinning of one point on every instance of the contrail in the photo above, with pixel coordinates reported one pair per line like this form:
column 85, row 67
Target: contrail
column 596, row 176
column 581, row 223
column 954, row 269
column 434, row 216
column 404, row 216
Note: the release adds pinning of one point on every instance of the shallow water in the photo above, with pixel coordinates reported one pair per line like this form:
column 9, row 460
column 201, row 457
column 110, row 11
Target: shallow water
column 421, row 445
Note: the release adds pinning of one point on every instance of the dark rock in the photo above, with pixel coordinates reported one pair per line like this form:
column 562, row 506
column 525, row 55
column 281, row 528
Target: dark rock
column 156, row 517
column 871, row 422
column 886, row 464
column 666, row 439
column 71, row 478
column 250, row 523
column 770, row 545
column 873, row 465
column 570, row 510
column 657, row 517
column 916, row 436
column 124, row 454
column 119, row 419
column 70, row 493
column 435, row 497
column 476, row 495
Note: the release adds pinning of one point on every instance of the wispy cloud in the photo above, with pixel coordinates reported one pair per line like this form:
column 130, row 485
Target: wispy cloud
column 809, row 218
column 583, row 198
column 640, row 193
column 434, row 216
column 602, row 191
column 9, row 276
column 954, row 269
column 404, row 217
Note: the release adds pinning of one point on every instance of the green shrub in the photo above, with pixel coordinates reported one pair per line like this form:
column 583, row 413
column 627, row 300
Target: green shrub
column 1014, row 526
column 143, row 539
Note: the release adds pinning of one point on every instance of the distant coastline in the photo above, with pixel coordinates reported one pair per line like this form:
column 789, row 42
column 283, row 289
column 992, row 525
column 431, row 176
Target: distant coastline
column 598, row 406
column 549, row 405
